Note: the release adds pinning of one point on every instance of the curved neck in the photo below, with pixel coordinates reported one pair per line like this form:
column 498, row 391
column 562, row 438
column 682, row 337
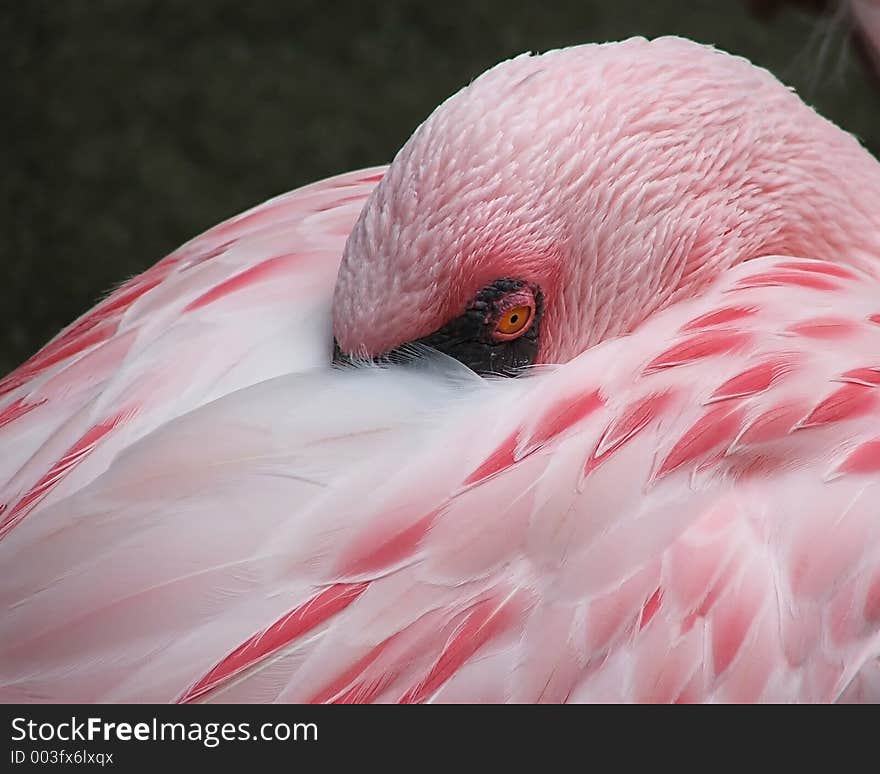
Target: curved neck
column 787, row 183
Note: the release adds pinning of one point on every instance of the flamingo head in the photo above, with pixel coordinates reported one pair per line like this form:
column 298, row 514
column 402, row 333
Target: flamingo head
column 560, row 199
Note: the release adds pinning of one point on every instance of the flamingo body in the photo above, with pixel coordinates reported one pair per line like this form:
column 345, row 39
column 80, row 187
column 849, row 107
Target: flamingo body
column 196, row 507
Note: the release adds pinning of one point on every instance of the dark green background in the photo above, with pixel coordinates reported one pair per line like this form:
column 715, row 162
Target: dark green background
column 132, row 125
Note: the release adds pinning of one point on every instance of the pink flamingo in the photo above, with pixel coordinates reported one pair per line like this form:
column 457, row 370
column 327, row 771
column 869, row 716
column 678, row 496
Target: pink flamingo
column 197, row 507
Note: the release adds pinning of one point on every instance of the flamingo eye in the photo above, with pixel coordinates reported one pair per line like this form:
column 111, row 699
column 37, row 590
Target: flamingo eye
column 514, row 321
column 498, row 333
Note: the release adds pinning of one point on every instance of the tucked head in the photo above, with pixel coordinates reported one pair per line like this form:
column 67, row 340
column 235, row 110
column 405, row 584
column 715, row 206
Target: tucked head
column 561, row 199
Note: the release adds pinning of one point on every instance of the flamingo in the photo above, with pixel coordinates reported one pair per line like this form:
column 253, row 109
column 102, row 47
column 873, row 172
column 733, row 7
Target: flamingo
column 602, row 425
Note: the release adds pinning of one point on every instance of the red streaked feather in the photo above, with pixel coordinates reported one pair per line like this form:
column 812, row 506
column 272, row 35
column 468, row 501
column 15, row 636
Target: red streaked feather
column 824, row 328
column 712, row 342
column 818, row 267
column 719, row 317
column 500, row 459
column 650, row 608
column 285, row 630
column 484, row 621
column 716, row 427
column 368, row 557
column 631, row 421
column 780, row 278
column 341, row 689
column 259, row 273
column 56, row 351
column 18, row 408
column 850, row 401
column 68, row 461
column 92, row 328
column 563, row 415
column 360, row 693
column 864, row 459
column 771, row 425
column 753, row 380
column 340, row 202
column 869, row 377
column 130, row 292
column 209, row 255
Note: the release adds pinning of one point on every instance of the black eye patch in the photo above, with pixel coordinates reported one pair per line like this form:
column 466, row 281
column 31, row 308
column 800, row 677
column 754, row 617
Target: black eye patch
column 470, row 338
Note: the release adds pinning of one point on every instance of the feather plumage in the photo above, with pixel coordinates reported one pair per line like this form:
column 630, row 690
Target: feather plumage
column 194, row 506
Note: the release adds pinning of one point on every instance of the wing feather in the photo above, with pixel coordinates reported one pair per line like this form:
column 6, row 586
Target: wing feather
column 685, row 514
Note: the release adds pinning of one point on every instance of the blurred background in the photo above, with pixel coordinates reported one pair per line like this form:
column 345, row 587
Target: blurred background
column 132, row 125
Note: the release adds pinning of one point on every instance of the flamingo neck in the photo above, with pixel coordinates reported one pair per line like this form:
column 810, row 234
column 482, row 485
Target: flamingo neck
column 812, row 193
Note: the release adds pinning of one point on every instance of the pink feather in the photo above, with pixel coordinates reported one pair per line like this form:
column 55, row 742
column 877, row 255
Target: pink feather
column 195, row 507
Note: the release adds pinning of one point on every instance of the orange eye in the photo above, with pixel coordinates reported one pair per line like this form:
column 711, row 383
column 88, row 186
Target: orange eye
column 514, row 320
